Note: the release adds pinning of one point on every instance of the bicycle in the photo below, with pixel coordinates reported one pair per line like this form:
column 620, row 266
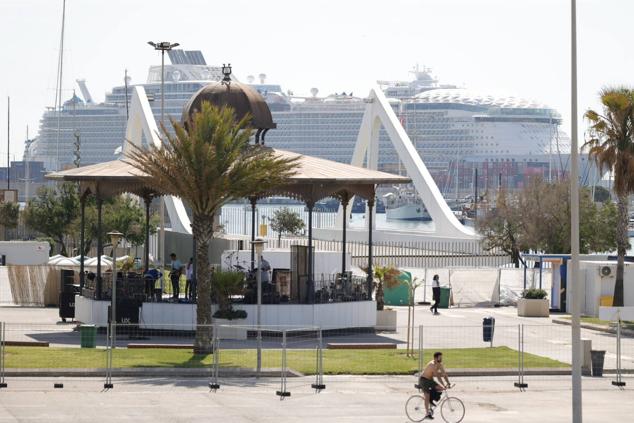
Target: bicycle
column 452, row 409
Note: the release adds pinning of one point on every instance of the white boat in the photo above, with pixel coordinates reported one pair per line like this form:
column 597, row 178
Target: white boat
column 404, row 205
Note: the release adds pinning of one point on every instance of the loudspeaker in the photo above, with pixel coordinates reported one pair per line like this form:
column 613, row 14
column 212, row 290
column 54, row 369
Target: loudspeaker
column 67, row 304
column 67, row 277
column 127, row 312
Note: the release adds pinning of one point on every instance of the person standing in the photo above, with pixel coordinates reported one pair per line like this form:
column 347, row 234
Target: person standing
column 175, row 275
column 189, row 274
column 265, row 267
column 435, row 288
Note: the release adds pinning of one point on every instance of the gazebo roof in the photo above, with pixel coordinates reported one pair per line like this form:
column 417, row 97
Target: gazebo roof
column 314, row 179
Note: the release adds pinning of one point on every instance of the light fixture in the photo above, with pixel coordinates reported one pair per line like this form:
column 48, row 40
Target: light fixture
column 226, row 71
column 258, row 244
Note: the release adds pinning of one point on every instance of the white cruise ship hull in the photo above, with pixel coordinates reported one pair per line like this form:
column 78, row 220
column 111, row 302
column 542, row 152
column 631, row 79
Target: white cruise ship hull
column 407, row 212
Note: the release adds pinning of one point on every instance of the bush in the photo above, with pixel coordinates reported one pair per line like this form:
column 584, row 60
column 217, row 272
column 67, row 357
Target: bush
column 534, row 294
column 230, row 314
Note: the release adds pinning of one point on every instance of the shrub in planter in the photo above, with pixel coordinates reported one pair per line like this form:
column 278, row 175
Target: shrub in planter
column 534, row 294
column 224, row 285
column 533, row 303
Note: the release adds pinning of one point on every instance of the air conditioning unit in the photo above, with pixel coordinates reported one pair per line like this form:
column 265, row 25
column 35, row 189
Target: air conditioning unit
column 606, row 271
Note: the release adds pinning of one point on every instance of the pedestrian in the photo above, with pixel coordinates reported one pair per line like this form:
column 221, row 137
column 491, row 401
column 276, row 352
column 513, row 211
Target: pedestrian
column 435, row 287
column 189, row 274
column 265, row 279
column 175, row 275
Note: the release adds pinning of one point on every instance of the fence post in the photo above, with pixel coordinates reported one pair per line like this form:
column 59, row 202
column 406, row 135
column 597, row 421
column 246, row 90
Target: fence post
column 420, row 350
column 319, row 365
column 520, row 359
column 282, row 393
column 213, row 383
column 108, row 383
column 3, row 382
column 619, row 378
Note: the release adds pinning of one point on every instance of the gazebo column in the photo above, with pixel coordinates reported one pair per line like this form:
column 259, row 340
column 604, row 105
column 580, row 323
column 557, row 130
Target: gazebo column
column 370, row 225
column 146, row 259
column 344, row 204
column 99, row 245
column 82, row 236
column 310, row 294
column 253, row 200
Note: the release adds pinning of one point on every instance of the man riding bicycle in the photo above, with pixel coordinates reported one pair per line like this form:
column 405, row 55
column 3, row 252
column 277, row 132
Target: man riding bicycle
column 434, row 369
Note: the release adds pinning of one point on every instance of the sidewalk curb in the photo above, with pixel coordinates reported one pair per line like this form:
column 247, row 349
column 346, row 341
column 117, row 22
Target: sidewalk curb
column 148, row 372
column 598, row 328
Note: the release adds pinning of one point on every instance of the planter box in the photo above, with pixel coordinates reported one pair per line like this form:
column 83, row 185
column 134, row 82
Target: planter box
column 231, row 329
column 386, row 320
column 533, row 308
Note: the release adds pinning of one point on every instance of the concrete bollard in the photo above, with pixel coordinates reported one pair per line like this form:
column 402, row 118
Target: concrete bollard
column 586, row 357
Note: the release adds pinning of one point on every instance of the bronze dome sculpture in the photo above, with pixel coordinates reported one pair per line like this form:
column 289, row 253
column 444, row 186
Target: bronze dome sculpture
column 241, row 97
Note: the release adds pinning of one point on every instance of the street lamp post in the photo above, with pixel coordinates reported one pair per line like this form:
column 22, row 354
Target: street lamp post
column 115, row 237
column 575, row 283
column 162, row 46
column 259, row 247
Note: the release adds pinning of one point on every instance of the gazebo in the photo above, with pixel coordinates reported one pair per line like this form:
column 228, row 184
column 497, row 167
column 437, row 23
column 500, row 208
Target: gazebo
column 314, row 179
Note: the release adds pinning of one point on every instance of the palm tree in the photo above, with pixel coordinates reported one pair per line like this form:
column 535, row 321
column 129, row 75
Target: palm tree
column 610, row 138
column 207, row 165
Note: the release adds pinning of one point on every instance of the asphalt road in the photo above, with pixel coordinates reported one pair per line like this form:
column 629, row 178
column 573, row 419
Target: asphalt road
column 346, row 399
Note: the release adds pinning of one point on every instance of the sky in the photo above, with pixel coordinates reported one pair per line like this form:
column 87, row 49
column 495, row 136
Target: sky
column 497, row 47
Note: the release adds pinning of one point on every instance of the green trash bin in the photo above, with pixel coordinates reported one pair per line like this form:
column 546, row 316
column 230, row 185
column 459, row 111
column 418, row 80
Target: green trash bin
column 88, row 336
column 445, row 294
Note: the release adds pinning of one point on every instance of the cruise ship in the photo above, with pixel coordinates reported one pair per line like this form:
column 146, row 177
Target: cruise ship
column 100, row 127
column 456, row 131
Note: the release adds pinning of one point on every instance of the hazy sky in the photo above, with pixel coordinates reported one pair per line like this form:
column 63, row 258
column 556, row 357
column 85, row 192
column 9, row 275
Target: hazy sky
column 502, row 47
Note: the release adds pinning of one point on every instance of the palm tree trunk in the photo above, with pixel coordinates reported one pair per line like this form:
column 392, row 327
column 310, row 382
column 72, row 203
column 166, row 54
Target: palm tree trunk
column 621, row 247
column 202, row 228
column 380, row 302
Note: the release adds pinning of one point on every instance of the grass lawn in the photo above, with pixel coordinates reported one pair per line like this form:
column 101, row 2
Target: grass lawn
column 626, row 324
column 355, row 362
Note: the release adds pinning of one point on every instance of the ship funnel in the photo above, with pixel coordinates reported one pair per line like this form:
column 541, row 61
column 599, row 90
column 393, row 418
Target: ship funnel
column 314, row 91
column 262, row 77
column 84, row 91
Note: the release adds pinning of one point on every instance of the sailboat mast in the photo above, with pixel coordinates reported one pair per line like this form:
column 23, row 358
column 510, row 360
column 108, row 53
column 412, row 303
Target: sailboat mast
column 8, row 142
column 60, row 73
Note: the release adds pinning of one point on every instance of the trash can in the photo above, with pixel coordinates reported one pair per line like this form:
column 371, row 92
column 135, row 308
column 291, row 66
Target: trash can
column 488, row 327
column 598, row 358
column 88, row 336
column 445, row 294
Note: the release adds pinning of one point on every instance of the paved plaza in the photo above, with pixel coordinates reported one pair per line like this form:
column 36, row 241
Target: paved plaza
column 346, row 399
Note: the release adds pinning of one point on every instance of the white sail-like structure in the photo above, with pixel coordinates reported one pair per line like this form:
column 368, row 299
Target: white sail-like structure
column 379, row 113
column 141, row 123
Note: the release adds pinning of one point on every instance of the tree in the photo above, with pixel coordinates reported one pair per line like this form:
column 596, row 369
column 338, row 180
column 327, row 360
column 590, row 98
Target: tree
column 611, row 145
column 538, row 218
column 384, row 275
column 412, row 284
column 285, row 220
column 207, row 165
column 502, row 228
column 9, row 216
column 121, row 213
column 52, row 212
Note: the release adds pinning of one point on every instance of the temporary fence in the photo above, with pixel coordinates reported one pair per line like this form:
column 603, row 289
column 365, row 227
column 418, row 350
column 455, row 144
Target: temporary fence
column 300, row 359
column 419, row 254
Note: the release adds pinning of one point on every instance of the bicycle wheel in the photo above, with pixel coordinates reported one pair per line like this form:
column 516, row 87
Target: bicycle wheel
column 452, row 410
column 415, row 408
